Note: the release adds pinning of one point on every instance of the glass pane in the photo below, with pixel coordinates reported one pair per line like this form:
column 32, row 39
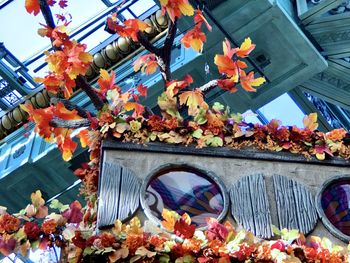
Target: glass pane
column 284, row 109
column 185, row 190
column 335, row 202
column 141, row 6
column 24, row 26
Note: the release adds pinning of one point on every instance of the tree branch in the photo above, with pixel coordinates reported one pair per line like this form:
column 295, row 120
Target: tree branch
column 142, row 38
column 169, row 40
column 82, row 83
column 71, row 124
column 209, row 86
column 71, row 106
column 45, row 9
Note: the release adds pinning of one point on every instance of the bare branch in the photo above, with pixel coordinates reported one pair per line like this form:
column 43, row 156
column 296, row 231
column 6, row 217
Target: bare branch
column 71, row 106
column 142, row 38
column 209, row 86
column 71, row 124
column 169, row 40
column 45, row 9
column 82, row 83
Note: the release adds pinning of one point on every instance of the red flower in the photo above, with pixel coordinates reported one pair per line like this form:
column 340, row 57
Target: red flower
column 216, row 230
column 74, row 213
column 133, row 242
column 107, row 239
column 79, row 241
column 278, row 245
column 32, row 230
column 9, row 224
column 7, row 245
column 49, row 226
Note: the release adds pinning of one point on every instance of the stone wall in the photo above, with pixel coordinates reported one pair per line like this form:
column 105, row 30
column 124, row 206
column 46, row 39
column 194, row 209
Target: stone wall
column 145, row 159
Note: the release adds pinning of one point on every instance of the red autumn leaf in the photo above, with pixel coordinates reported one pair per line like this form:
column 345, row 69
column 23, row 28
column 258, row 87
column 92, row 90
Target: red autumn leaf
column 248, row 81
column 51, row 2
column 63, row 3
column 194, row 38
column 147, row 63
column 183, row 227
column 227, row 84
column 199, row 19
column 32, row 6
column 176, row 8
column 142, row 89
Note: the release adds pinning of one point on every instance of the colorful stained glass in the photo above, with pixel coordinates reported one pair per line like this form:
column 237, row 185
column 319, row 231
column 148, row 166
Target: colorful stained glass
column 335, row 202
column 185, row 190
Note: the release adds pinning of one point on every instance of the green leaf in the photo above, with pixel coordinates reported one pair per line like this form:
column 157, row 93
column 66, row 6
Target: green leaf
column 88, row 251
column 218, row 106
column 164, row 259
column 200, row 118
column 289, row 235
column 237, row 117
column 276, row 230
column 197, row 133
column 55, row 204
column 214, row 141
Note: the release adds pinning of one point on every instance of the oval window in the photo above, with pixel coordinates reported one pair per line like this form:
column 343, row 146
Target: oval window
column 184, row 189
column 333, row 206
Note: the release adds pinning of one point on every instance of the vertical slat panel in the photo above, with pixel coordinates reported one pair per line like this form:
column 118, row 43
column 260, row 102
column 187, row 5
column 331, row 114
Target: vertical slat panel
column 119, row 191
column 260, row 206
column 295, row 205
column 241, row 205
column 250, row 206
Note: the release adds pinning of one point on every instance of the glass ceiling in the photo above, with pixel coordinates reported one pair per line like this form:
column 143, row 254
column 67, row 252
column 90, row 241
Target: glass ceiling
column 22, row 41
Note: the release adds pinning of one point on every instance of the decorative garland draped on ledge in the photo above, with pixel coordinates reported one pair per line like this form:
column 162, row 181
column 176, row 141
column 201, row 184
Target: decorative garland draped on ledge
column 121, row 116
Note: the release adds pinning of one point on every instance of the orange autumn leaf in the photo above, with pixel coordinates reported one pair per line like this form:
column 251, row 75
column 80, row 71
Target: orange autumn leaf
column 310, row 121
column 169, row 219
column 226, row 64
column 60, row 111
column 199, row 19
column 194, row 100
column 67, row 146
column 248, row 81
column 146, row 63
column 41, row 117
column 194, row 38
column 245, row 48
column 137, row 107
column 176, row 8
column 174, row 86
column 32, row 6
column 106, row 81
column 130, row 28
column 84, row 138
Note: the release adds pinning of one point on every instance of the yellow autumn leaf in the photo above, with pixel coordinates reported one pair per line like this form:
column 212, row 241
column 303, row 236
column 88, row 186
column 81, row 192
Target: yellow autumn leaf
column 170, row 218
column 310, row 121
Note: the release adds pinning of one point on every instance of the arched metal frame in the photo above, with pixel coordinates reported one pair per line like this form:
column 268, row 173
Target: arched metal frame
column 212, row 176
column 331, row 228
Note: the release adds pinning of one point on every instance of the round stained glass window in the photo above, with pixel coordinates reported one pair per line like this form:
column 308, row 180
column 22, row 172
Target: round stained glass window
column 334, row 206
column 184, row 189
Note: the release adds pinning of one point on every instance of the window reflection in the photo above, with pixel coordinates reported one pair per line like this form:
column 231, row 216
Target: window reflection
column 185, row 190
